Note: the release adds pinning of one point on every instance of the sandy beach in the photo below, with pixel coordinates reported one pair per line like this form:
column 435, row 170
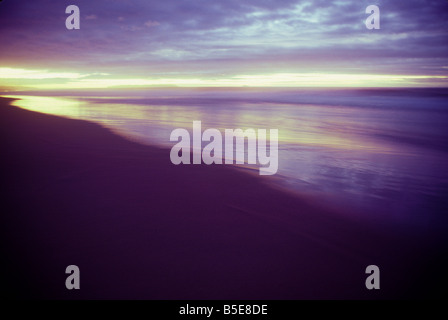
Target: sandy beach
column 140, row 227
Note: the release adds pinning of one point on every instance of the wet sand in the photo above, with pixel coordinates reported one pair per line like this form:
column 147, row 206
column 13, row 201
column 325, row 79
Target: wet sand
column 140, row 227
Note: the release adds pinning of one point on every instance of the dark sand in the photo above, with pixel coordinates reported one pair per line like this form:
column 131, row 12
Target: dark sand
column 141, row 228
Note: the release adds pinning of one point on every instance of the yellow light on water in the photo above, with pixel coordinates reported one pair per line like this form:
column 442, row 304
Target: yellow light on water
column 51, row 105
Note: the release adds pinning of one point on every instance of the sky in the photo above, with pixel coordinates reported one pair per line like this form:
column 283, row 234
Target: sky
column 222, row 43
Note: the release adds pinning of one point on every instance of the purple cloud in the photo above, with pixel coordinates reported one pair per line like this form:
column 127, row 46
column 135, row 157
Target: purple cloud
column 215, row 37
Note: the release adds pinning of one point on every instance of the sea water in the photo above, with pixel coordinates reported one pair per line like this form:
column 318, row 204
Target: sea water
column 378, row 151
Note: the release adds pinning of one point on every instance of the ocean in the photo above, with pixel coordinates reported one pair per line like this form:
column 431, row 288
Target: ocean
column 379, row 153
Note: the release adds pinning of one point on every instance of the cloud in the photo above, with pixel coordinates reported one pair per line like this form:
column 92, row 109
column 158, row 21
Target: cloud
column 261, row 80
column 150, row 23
column 17, row 73
column 131, row 28
column 227, row 37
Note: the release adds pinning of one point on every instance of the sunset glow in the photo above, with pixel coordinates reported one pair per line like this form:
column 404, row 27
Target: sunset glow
column 224, row 44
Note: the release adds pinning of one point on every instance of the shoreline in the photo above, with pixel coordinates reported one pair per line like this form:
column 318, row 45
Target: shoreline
column 338, row 203
column 332, row 203
column 141, row 228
